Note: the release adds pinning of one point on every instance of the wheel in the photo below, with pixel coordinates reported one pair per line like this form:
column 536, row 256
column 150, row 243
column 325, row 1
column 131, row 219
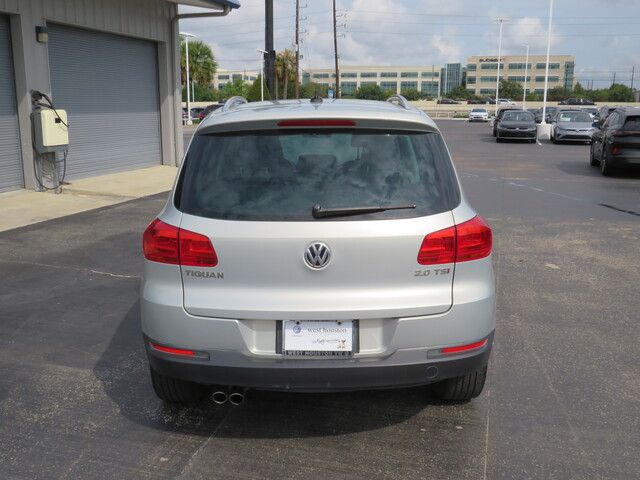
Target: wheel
column 498, row 139
column 592, row 157
column 462, row 389
column 605, row 168
column 174, row 390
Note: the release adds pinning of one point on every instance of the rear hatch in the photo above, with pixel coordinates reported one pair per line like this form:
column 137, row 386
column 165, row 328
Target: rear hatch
column 252, row 194
column 628, row 139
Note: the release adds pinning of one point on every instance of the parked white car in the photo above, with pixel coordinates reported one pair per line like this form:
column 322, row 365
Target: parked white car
column 479, row 115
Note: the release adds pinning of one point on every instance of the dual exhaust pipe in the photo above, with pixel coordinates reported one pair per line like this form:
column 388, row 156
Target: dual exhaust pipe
column 234, row 396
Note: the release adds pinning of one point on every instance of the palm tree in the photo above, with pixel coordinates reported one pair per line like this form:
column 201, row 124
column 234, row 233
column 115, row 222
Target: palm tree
column 285, row 69
column 202, row 63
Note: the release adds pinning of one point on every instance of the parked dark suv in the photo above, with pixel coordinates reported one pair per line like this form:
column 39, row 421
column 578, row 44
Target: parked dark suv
column 499, row 115
column 616, row 141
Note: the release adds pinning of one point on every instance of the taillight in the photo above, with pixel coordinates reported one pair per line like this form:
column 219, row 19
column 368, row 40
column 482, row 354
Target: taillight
column 618, row 133
column 471, row 240
column 438, row 247
column 165, row 243
column 196, row 250
column 160, row 243
column 615, row 150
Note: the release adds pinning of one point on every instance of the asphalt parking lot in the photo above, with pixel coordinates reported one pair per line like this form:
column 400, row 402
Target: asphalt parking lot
column 562, row 398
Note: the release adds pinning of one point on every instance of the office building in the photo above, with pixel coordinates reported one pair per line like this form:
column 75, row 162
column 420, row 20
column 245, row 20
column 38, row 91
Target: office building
column 425, row 79
column 481, row 72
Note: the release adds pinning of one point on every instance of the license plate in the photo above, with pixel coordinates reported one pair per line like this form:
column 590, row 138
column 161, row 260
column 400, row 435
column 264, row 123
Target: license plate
column 317, row 337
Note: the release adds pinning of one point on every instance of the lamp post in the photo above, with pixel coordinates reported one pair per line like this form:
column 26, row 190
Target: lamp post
column 186, row 48
column 546, row 70
column 262, row 54
column 526, row 71
column 500, row 22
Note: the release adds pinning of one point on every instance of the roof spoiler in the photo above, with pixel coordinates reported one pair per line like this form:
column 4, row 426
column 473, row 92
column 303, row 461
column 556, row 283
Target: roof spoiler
column 400, row 101
column 233, row 102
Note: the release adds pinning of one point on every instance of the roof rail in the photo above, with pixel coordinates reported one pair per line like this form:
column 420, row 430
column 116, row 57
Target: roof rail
column 233, row 102
column 401, row 101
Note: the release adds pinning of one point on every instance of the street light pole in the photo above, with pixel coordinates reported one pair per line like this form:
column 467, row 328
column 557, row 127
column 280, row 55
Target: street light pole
column 526, row 72
column 500, row 21
column 262, row 54
column 546, row 71
column 186, row 48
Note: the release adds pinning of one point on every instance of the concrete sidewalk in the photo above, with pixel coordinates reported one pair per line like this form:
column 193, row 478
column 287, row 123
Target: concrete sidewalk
column 24, row 207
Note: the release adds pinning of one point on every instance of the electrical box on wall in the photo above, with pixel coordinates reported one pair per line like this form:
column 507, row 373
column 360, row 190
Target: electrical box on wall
column 51, row 130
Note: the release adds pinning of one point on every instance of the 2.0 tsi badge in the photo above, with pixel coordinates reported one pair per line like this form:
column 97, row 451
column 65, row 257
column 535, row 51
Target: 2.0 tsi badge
column 317, row 255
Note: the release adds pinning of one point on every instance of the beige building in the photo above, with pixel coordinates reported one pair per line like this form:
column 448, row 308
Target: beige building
column 425, row 79
column 222, row 77
column 482, row 72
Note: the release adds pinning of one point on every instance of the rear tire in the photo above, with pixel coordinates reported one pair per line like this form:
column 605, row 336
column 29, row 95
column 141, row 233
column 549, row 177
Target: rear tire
column 462, row 389
column 605, row 169
column 176, row 391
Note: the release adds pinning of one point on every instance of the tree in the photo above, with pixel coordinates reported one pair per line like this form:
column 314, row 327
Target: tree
column 510, row 89
column 235, row 88
column 372, row 92
column 557, row 94
column 411, row 94
column 620, row 93
column 254, row 95
column 202, row 63
column 311, row 89
column 285, row 70
column 460, row 92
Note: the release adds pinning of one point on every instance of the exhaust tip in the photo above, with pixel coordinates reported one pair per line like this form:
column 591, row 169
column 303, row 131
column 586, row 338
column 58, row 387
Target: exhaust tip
column 236, row 398
column 219, row 397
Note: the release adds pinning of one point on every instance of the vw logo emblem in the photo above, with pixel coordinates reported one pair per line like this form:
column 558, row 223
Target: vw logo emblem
column 317, row 255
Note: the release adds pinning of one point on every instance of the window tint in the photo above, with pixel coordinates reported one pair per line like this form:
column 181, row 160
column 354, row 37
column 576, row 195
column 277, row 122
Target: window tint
column 274, row 175
column 518, row 117
column 632, row 124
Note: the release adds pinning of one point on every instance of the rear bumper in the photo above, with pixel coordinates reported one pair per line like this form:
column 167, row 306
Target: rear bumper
column 317, row 375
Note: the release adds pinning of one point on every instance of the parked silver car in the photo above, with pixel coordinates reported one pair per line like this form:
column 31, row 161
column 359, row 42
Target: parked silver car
column 571, row 126
column 315, row 246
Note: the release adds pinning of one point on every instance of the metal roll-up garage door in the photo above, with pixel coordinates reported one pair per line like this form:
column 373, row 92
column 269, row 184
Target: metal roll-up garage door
column 108, row 84
column 10, row 158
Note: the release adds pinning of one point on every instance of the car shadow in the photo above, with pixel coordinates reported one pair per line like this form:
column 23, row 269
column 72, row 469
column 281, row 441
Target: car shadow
column 582, row 168
column 123, row 371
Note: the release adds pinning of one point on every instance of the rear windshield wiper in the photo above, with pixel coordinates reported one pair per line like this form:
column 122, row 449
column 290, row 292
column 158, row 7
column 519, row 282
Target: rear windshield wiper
column 319, row 212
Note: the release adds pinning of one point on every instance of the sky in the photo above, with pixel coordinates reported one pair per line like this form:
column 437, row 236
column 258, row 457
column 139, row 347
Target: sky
column 604, row 35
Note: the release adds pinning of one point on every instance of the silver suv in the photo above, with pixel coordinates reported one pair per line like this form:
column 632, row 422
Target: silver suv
column 314, row 246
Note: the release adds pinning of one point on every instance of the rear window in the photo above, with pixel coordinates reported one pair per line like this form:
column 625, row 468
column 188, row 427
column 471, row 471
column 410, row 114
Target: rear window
column 276, row 175
column 632, row 124
column 518, row 117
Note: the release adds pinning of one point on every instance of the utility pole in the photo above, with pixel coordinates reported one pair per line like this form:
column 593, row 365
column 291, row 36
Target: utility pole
column 297, row 48
column 633, row 71
column 500, row 21
column 270, row 70
column 526, row 71
column 614, row 78
column 335, row 50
